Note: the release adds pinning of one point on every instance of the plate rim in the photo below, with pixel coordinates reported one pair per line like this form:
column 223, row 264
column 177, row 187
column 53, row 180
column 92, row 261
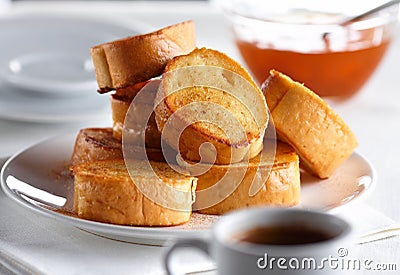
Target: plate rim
column 158, row 234
column 97, row 114
column 363, row 195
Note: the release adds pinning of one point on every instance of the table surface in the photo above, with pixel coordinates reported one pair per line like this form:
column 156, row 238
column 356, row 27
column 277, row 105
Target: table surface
column 374, row 114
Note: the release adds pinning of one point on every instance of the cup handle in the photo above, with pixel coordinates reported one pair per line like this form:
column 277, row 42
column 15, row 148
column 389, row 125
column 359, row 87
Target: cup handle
column 184, row 243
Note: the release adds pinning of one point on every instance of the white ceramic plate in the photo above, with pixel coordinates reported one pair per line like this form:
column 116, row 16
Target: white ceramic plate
column 37, row 178
column 46, row 72
column 50, row 54
column 18, row 105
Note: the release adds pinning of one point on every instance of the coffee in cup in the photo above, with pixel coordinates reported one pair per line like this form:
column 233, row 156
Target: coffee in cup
column 274, row 241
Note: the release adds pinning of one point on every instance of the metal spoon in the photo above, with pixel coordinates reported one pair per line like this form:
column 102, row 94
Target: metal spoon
column 369, row 12
column 361, row 16
column 380, row 234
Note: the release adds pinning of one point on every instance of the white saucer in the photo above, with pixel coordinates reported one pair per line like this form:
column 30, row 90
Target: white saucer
column 53, row 72
column 22, row 106
column 46, row 72
column 50, row 54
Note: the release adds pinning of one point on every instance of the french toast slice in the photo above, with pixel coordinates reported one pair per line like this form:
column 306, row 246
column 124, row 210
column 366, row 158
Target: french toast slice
column 104, row 191
column 94, row 144
column 275, row 171
column 319, row 135
column 124, row 62
column 123, row 113
column 119, row 108
column 217, row 101
column 131, row 91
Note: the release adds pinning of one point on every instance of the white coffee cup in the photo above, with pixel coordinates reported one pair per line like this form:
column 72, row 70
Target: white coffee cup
column 232, row 256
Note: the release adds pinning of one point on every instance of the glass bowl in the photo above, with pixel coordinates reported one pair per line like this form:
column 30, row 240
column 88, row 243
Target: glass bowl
column 306, row 40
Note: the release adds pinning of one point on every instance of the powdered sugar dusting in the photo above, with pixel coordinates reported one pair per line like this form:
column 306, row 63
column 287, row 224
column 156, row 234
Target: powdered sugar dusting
column 199, row 222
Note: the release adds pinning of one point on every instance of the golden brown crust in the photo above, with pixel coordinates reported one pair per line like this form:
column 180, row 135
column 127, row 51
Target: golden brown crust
column 104, row 191
column 135, row 59
column 229, row 150
column 94, row 144
column 130, row 91
column 280, row 188
column 277, row 86
column 205, row 56
column 119, row 108
column 319, row 135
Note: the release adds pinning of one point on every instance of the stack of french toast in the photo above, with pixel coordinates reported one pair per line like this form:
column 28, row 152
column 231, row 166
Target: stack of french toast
column 234, row 144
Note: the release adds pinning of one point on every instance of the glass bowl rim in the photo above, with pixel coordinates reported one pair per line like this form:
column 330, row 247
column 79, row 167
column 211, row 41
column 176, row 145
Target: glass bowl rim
column 391, row 15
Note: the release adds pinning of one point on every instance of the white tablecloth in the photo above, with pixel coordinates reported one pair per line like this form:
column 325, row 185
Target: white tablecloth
column 51, row 247
column 40, row 245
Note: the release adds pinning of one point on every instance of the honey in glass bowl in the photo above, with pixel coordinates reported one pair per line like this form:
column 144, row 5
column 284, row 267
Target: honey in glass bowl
column 309, row 45
column 346, row 74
